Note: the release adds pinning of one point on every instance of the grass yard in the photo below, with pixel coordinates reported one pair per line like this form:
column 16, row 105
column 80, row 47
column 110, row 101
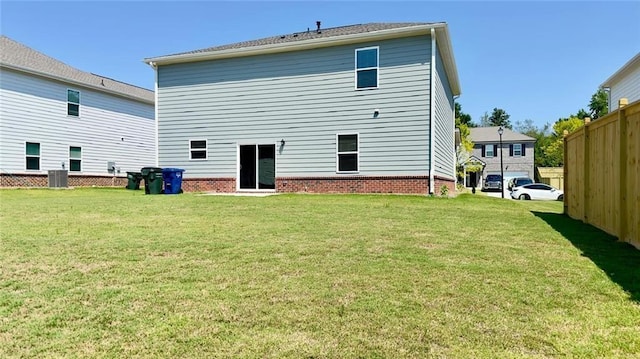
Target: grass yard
column 111, row 273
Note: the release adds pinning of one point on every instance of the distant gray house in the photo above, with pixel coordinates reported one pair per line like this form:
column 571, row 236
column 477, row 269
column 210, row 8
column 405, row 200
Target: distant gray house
column 625, row 83
column 361, row 108
column 56, row 117
column 517, row 154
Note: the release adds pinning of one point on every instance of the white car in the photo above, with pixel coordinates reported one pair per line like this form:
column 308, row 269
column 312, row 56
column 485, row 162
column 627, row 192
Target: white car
column 537, row 191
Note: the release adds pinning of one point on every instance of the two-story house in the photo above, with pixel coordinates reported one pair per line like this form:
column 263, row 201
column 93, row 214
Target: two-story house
column 56, row 117
column 361, row 108
column 624, row 83
column 517, row 154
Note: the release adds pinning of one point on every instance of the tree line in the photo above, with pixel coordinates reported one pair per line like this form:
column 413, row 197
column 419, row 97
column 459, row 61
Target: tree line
column 549, row 146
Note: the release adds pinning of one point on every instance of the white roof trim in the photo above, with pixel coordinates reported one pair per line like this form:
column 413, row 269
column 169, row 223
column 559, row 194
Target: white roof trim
column 624, row 70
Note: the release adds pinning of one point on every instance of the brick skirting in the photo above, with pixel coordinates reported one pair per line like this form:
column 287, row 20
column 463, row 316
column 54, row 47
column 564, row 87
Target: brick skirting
column 362, row 184
column 350, row 184
column 41, row 180
column 224, row 185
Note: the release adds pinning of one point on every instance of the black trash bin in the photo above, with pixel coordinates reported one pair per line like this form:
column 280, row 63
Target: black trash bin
column 134, row 179
column 152, row 180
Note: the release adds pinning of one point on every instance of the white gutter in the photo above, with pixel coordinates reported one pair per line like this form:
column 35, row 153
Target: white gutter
column 432, row 110
column 455, row 158
column 155, row 110
column 77, row 83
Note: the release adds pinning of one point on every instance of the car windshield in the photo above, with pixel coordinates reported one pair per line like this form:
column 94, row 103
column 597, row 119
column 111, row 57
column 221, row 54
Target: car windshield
column 493, row 178
column 524, row 181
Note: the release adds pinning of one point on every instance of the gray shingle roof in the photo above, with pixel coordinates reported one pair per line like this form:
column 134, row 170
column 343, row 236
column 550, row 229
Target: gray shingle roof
column 490, row 134
column 310, row 34
column 20, row 57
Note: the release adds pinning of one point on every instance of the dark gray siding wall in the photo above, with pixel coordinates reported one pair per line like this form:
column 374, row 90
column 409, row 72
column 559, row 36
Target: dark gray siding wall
column 444, row 123
column 109, row 128
column 305, row 98
column 516, row 164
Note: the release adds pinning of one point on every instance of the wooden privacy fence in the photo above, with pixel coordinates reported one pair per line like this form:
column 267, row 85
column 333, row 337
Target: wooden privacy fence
column 602, row 173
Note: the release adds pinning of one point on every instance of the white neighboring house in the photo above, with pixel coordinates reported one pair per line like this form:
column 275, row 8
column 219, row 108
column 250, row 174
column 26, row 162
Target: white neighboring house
column 54, row 117
column 625, row 83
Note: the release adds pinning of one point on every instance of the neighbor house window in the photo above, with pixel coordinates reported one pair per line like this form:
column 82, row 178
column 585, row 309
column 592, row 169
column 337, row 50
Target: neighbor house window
column 198, row 149
column 75, row 159
column 489, row 150
column 73, row 103
column 347, row 154
column 32, row 151
column 367, row 68
column 517, row 149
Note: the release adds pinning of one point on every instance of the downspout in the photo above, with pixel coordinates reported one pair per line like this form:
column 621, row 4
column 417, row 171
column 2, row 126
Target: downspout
column 432, row 110
column 155, row 110
column 455, row 157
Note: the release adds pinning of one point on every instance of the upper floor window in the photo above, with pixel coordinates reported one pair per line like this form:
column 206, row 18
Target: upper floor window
column 489, row 151
column 347, row 153
column 75, row 159
column 32, row 151
column 73, row 103
column 197, row 149
column 367, row 68
column 517, row 149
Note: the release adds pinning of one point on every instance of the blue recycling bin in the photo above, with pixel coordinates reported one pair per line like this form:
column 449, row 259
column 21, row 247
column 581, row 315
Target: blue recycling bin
column 172, row 180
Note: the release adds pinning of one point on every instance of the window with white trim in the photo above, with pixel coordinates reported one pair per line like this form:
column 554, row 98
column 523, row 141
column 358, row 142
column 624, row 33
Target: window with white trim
column 517, row 149
column 75, row 159
column 367, row 68
column 32, row 152
column 347, row 152
column 73, row 103
column 489, row 150
column 197, row 149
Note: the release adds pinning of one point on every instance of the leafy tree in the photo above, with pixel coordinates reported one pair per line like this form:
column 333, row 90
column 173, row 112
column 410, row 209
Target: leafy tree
column 543, row 138
column 462, row 117
column 463, row 152
column 484, row 120
column 554, row 150
column 599, row 104
column 581, row 114
column 499, row 118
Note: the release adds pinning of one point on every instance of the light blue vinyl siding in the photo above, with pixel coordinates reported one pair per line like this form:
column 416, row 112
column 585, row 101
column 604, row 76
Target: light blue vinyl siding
column 444, row 123
column 109, row 128
column 305, row 98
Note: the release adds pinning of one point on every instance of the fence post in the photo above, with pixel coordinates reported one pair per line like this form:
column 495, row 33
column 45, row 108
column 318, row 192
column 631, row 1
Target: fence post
column 586, row 173
column 622, row 161
column 565, row 204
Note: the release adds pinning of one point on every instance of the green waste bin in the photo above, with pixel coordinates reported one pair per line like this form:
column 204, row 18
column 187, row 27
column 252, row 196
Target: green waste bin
column 134, row 180
column 152, row 180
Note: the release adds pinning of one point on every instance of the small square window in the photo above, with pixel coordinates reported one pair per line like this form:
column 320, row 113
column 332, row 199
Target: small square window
column 347, row 153
column 517, row 149
column 489, row 150
column 73, row 103
column 198, row 149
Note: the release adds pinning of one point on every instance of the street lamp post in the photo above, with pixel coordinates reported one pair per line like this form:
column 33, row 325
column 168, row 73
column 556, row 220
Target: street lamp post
column 500, row 132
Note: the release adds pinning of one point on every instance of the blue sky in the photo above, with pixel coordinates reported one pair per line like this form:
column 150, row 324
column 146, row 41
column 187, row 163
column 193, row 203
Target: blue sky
column 536, row 60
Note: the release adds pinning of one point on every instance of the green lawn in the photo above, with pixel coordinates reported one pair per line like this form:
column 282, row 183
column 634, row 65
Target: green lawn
column 119, row 274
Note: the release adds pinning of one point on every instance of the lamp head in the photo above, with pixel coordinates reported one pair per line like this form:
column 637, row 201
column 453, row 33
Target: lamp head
column 500, row 130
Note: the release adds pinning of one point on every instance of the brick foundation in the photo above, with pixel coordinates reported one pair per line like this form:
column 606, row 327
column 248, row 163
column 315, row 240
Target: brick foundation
column 350, row 184
column 224, row 185
column 361, row 184
column 41, row 180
